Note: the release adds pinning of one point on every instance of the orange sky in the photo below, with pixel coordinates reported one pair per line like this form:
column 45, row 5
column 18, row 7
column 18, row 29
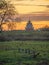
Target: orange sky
column 30, row 6
column 36, row 25
column 26, row 6
column 22, row 25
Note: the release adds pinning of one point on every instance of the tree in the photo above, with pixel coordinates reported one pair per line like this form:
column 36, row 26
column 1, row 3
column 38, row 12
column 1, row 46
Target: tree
column 6, row 12
column 11, row 26
column 46, row 28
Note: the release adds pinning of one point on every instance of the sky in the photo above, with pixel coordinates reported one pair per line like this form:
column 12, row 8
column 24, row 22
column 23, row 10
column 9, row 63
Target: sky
column 31, row 6
column 27, row 6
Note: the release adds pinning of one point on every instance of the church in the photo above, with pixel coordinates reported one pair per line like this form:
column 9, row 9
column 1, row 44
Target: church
column 29, row 26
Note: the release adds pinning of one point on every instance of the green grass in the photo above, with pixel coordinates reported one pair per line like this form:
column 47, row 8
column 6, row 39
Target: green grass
column 24, row 35
column 10, row 55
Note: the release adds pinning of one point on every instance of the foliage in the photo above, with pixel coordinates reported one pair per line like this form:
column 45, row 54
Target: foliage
column 46, row 28
column 3, row 4
column 7, row 10
column 24, row 35
column 10, row 55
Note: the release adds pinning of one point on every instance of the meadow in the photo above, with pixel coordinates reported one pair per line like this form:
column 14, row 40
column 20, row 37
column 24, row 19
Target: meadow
column 24, row 35
column 24, row 53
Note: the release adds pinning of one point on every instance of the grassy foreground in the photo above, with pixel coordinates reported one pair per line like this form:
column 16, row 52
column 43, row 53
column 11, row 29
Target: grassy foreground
column 24, row 35
column 22, row 52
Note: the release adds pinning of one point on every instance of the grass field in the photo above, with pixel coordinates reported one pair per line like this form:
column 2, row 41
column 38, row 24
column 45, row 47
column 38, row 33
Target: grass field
column 22, row 53
column 24, row 35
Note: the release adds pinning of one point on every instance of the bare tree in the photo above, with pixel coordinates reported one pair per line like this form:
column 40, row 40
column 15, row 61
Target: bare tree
column 11, row 26
column 7, row 10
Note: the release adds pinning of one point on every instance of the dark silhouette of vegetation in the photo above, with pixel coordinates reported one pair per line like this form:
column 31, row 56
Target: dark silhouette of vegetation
column 24, row 35
column 35, row 55
column 43, row 63
column 7, row 10
column 11, row 26
column 46, row 28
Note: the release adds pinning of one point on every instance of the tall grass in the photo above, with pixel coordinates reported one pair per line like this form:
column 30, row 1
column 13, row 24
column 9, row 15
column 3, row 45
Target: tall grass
column 15, row 52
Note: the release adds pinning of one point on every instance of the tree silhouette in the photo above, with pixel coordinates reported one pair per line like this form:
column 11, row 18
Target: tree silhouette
column 46, row 28
column 7, row 10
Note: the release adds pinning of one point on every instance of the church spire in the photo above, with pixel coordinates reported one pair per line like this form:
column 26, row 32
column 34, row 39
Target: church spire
column 29, row 26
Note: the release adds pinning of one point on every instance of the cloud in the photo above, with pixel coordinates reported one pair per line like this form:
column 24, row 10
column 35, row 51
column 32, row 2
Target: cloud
column 47, row 6
column 19, row 0
column 41, row 18
column 27, row 4
column 24, row 0
column 30, row 2
column 37, row 17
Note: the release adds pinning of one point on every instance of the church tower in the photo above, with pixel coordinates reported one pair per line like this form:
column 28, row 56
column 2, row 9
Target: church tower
column 29, row 26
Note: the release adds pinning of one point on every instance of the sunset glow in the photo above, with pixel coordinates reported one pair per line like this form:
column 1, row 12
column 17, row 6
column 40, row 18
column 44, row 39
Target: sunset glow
column 30, row 6
column 22, row 25
column 26, row 6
